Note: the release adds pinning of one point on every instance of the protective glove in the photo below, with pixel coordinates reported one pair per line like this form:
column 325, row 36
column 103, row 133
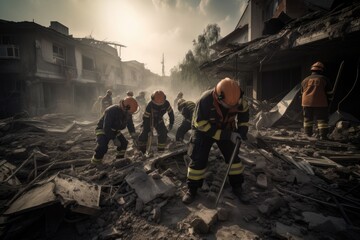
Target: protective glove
column 235, row 136
column 117, row 142
column 170, row 127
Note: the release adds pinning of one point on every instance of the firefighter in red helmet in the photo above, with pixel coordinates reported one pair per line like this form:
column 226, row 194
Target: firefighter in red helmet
column 153, row 118
column 214, row 122
column 315, row 90
column 114, row 119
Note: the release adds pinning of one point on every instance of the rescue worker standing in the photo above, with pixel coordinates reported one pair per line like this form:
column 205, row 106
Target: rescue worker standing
column 315, row 91
column 114, row 119
column 153, row 118
column 186, row 108
column 214, row 122
column 106, row 101
column 178, row 97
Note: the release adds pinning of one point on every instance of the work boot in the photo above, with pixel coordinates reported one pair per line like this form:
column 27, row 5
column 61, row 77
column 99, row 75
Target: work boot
column 308, row 131
column 189, row 197
column 323, row 133
column 238, row 192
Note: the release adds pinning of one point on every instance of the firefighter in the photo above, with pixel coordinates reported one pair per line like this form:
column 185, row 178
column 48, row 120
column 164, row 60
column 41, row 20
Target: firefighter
column 106, row 101
column 186, row 108
column 178, row 97
column 214, row 122
column 315, row 91
column 130, row 93
column 153, row 118
column 114, row 119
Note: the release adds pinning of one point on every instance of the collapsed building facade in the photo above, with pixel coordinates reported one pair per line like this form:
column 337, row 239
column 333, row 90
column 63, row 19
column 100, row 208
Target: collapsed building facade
column 45, row 69
column 275, row 43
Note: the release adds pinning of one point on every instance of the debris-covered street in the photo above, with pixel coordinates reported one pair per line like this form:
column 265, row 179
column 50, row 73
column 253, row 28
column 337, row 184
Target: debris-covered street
column 296, row 187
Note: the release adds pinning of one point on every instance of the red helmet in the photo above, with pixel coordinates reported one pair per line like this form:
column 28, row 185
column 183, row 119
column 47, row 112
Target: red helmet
column 130, row 104
column 158, row 97
column 318, row 66
column 228, row 92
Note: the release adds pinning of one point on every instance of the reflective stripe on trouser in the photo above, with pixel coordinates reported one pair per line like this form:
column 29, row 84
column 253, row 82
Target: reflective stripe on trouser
column 123, row 145
column 95, row 160
column 161, row 147
column 199, row 148
column 322, row 124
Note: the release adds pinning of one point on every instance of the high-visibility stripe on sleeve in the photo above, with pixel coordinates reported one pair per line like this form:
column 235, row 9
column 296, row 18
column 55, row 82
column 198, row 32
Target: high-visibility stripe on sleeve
column 99, row 132
column 241, row 124
column 217, row 134
column 146, row 114
column 236, row 169
column 203, row 126
column 194, row 174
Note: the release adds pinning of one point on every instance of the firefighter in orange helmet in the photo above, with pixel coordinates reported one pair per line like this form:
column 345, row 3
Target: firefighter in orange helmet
column 315, row 91
column 153, row 118
column 214, row 122
column 114, row 119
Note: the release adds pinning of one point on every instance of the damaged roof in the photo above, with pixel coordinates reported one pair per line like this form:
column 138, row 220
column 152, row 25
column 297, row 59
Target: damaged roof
column 312, row 28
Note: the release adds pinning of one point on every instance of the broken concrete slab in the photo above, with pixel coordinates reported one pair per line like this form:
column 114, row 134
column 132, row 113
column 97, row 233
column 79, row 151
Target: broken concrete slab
column 148, row 188
column 323, row 223
column 62, row 188
column 38, row 197
column 261, row 181
column 288, row 232
column 234, row 232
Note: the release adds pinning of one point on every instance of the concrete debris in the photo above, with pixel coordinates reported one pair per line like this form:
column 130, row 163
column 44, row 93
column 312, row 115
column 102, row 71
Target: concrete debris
column 148, row 188
column 323, row 223
column 234, row 232
column 288, row 232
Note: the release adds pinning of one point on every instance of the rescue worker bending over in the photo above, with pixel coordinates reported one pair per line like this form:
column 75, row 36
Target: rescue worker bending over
column 186, row 108
column 214, row 122
column 109, row 127
column 153, row 118
column 178, row 97
column 106, row 101
column 315, row 91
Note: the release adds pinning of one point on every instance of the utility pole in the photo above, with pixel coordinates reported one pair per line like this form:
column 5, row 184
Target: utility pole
column 163, row 65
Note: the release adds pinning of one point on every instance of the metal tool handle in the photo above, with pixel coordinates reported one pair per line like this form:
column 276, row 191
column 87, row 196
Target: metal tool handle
column 233, row 155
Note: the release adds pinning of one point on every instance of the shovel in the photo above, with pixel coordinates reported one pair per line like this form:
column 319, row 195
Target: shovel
column 233, row 155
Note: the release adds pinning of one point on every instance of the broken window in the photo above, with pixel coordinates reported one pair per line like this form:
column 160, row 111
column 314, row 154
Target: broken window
column 58, row 54
column 8, row 48
column 88, row 63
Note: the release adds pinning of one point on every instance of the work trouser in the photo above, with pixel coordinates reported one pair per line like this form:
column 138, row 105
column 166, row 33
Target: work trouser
column 200, row 145
column 183, row 129
column 162, row 136
column 102, row 145
column 321, row 115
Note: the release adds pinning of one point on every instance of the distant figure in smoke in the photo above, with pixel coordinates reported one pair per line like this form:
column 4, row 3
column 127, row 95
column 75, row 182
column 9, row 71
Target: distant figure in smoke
column 130, row 93
column 315, row 91
column 106, row 101
column 141, row 99
column 114, row 119
column 178, row 97
column 153, row 118
column 96, row 106
column 186, row 108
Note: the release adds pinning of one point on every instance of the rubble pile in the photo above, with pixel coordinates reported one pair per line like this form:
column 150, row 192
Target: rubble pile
column 295, row 187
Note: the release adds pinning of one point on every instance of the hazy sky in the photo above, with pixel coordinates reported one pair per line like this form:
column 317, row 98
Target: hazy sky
column 148, row 28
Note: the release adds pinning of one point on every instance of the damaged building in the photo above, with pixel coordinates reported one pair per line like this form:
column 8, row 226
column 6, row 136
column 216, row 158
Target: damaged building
column 275, row 43
column 45, row 69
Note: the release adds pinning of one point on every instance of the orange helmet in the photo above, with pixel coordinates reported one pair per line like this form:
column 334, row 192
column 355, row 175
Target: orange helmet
column 130, row 104
column 318, row 66
column 158, row 97
column 180, row 103
column 129, row 93
column 228, row 92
